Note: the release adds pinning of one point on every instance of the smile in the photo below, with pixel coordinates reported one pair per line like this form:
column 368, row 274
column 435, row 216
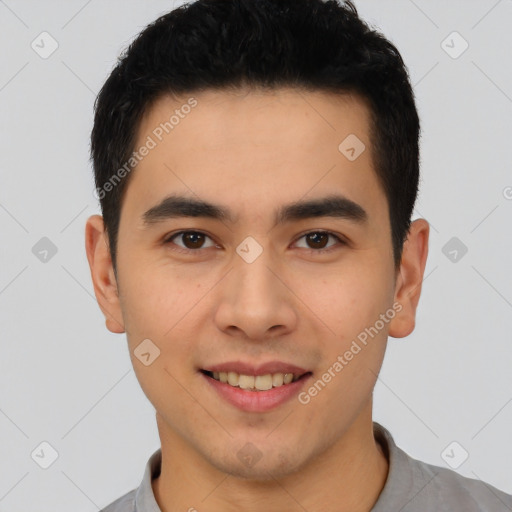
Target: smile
column 255, row 382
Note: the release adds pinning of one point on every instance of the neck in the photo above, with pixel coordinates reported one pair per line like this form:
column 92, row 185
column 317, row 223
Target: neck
column 349, row 476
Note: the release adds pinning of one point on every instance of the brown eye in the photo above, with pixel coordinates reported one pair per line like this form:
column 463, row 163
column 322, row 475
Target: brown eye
column 317, row 240
column 193, row 240
column 190, row 240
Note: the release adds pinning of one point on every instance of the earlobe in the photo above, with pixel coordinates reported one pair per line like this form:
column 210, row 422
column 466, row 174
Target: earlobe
column 410, row 278
column 102, row 273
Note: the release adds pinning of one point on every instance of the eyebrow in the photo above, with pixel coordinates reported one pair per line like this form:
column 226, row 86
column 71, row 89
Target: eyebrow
column 176, row 206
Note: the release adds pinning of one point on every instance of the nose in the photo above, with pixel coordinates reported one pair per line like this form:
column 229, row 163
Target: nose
column 255, row 300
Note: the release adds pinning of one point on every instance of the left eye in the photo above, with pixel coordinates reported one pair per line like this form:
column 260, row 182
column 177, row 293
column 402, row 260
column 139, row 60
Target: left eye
column 319, row 240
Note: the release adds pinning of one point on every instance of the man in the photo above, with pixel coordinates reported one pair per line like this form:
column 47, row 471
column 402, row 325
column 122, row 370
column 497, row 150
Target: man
column 257, row 165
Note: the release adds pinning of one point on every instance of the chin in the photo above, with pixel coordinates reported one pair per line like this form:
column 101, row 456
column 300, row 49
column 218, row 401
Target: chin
column 251, row 464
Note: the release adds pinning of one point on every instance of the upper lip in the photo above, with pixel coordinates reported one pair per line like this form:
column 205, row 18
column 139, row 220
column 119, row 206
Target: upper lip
column 244, row 368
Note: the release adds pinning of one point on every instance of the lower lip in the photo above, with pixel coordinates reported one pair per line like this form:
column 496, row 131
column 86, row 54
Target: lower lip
column 256, row 401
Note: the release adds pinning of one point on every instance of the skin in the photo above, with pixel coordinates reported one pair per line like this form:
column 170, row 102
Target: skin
column 254, row 151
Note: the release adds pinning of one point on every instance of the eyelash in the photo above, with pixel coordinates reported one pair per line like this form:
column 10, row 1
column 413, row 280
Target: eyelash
column 168, row 240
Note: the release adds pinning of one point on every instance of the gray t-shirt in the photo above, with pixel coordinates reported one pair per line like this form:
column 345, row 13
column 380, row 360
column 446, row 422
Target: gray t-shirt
column 411, row 486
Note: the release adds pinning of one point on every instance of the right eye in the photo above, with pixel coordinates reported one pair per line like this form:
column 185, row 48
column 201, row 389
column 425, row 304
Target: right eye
column 193, row 241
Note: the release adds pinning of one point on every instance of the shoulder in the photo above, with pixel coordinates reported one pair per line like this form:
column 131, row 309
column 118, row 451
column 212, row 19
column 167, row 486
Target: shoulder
column 445, row 489
column 416, row 486
column 125, row 503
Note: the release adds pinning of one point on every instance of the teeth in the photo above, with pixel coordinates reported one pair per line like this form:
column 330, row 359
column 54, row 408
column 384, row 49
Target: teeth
column 288, row 377
column 255, row 383
column 277, row 379
column 263, row 382
column 246, row 381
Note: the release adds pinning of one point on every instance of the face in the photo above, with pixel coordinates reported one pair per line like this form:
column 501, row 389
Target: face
column 248, row 281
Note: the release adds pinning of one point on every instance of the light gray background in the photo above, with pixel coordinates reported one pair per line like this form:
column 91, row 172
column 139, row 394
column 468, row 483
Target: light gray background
column 66, row 380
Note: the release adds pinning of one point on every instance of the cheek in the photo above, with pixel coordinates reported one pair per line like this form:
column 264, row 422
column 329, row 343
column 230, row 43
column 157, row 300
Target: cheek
column 154, row 297
column 161, row 304
column 157, row 317
column 345, row 301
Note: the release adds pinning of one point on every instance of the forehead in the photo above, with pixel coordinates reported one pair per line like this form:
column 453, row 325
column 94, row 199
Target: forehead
column 255, row 147
column 228, row 117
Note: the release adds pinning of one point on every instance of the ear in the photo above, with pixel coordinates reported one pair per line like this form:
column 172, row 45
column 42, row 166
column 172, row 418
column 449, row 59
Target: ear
column 102, row 273
column 410, row 278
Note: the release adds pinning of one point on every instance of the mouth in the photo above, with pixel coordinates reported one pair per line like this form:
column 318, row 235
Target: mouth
column 256, row 383
column 255, row 388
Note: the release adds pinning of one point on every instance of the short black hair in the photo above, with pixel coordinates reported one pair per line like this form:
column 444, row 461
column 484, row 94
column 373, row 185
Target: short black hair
column 228, row 44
